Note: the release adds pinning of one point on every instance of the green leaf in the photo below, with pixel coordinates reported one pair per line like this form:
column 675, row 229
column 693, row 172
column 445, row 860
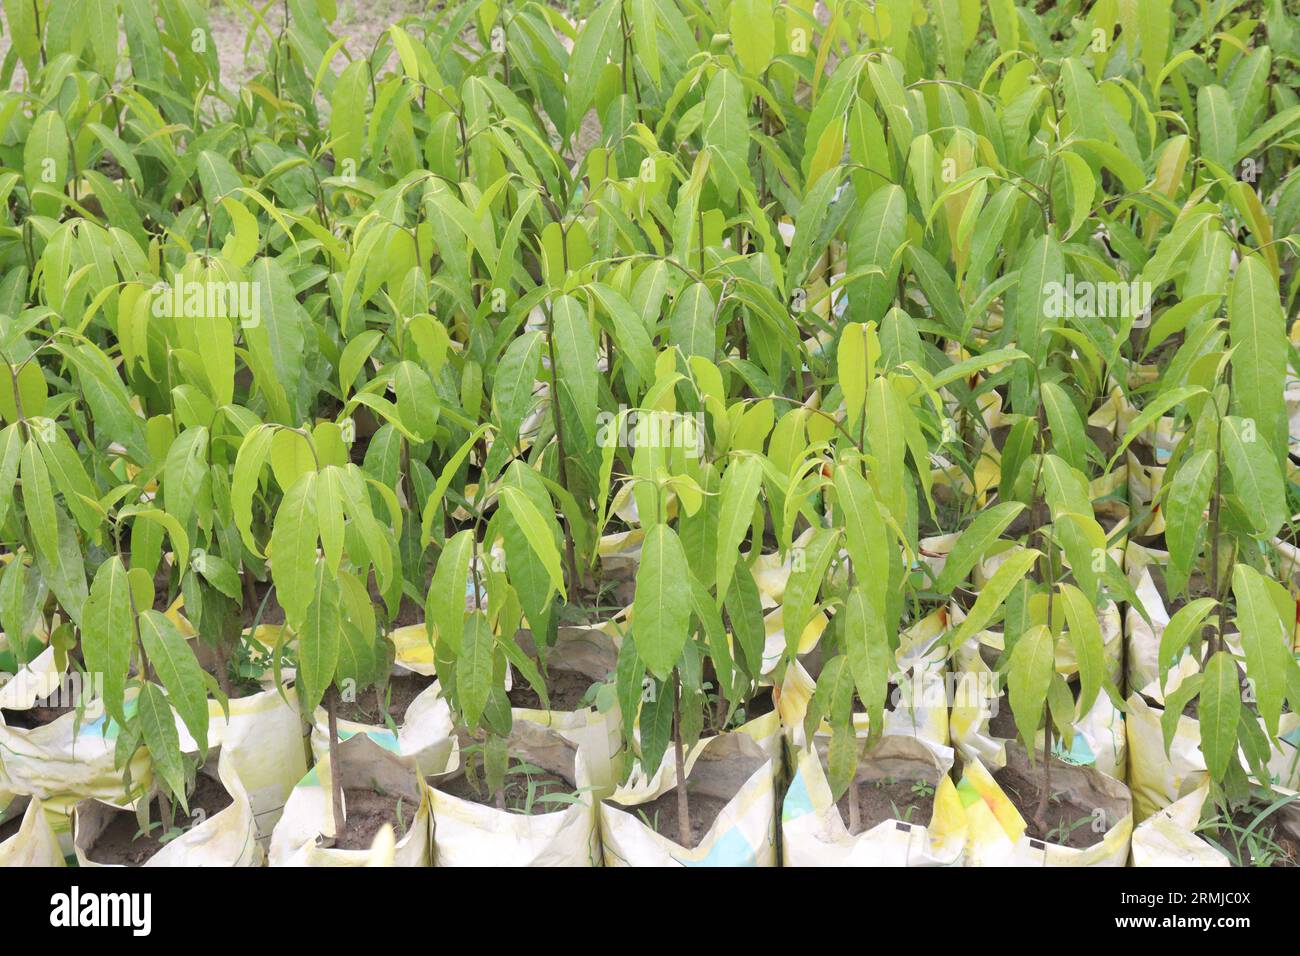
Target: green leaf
column 1150, row 414
column 1089, row 648
column 318, row 639
column 474, row 668
column 1258, row 334
column 804, row 584
column 1184, row 515
column 11, row 451
column 46, row 162
column 1083, row 187
column 515, row 378
column 108, row 632
column 865, row 532
column 745, row 612
column 878, row 233
column 445, row 606
column 179, row 671
column 656, row 727
column 184, row 471
column 662, row 605
column 1009, row 573
column 726, row 132
column 158, row 728
column 348, row 112
column 1220, row 706
column 1265, row 638
column 1216, row 125
column 868, row 651
column 1031, row 670
column 1184, row 624
column 1068, row 437
column 753, row 34
column 1256, row 475
column 985, row 529
column 856, row 358
column 293, row 550
column 740, row 485
column 595, row 44
column 1042, row 271
column 539, row 536
column 252, row 455
column 38, row 501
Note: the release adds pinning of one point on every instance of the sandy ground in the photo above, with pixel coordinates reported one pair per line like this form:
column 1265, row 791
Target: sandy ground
column 359, row 21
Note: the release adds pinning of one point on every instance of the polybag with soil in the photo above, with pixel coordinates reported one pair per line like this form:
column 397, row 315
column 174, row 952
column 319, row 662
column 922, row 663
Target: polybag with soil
column 1090, row 815
column 908, row 811
column 731, row 786
column 580, row 657
column 220, row 830
column 26, row 837
column 385, row 807
column 552, row 822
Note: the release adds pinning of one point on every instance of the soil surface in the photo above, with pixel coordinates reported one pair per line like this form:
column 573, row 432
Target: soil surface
column 1068, row 823
column 272, row 613
column 119, row 844
column 361, row 23
column 518, row 798
column 397, row 697
column 34, row 717
column 758, row 705
column 879, row 800
column 10, row 827
column 43, row 712
column 564, row 688
column 366, row 811
column 1003, row 724
column 660, row 815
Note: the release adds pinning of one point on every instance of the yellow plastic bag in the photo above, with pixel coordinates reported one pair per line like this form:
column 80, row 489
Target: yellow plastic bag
column 599, row 735
column 466, row 833
column 264, row 739
column 813, row 832
column 72, row 757
column 729, row 767
column 35, row 843
column 309, row 812
column 1167, row 837
column 425, row 740
column 996, row 830
column 227, row 838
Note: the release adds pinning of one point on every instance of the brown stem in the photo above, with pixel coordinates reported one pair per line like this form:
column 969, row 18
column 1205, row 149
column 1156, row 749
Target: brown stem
column 250, row 591
column 1212, row 645
column 336, row 762
column 1040, row 815
column 679, row 758
column 223, row 666
column 166, row 812
column 558, row 420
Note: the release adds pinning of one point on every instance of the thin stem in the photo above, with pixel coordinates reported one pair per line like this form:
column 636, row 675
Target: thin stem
column 679, row 759
column 336, row 762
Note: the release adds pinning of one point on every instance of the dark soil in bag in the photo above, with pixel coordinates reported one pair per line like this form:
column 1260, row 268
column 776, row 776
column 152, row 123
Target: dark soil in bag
column 120, row 843
column 565, row 689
